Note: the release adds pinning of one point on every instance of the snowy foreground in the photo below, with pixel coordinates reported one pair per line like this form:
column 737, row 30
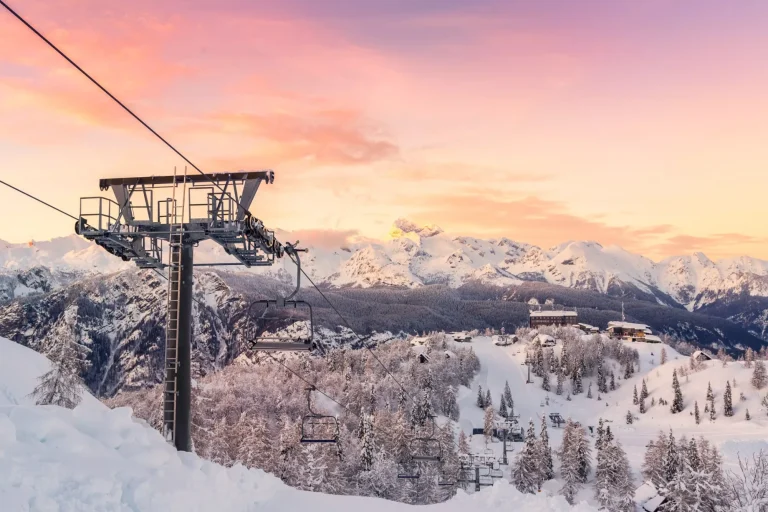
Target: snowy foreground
column 97, row 459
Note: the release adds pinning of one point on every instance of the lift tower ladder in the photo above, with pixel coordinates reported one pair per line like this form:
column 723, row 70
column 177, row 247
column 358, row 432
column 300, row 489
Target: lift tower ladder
column 175, row 244
column 138, row 225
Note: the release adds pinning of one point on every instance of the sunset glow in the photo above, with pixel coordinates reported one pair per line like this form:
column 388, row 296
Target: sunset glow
column 636, row 123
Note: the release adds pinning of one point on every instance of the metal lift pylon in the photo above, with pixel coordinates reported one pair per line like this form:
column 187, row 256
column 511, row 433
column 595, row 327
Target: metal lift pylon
column 137, row 226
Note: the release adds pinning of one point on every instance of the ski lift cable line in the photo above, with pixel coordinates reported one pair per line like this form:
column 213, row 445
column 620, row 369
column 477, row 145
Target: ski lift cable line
column 329, row 397
column 124, row 107
column 355, row 333
column 314, row 386
column 36, row 198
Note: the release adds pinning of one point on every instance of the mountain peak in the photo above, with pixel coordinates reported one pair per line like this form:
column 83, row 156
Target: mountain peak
column 406, row 226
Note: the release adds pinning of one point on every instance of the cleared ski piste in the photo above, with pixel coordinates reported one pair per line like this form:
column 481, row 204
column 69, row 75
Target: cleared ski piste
column 732, row 435
column 96, row 459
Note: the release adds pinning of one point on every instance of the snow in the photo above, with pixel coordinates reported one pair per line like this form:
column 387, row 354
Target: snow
column 96, row 458
column 553, row 313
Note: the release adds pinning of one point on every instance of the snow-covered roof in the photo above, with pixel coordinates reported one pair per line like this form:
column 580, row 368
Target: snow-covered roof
column 648, row 497
column 699, row 353
column 628, row 325
column 652, row 337
column 553, row 313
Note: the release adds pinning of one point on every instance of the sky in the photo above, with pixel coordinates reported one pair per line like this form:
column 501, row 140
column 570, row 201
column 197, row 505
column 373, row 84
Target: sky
column 633, row 123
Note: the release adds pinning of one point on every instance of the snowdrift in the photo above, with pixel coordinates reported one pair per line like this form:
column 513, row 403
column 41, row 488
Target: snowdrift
column 94, row 458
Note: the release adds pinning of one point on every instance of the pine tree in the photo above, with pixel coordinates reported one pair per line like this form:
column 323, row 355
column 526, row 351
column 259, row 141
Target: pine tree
column 759, row 376
column 644, row 391
column 577, row 384
column 710, row 395
column 589, row 391
column 696, row 414
column 630, row 419
column 635, row 401
column 727, row 400
column 613, row 478
column 546, row 466
column 663, row 355
column 575, row 457
column 613, row 382
column 712, row 412
column 677, row 403
column 61, row 385
column 503, row 407
column 671, row 458
column 526, row 474
column 628, row 371
column 560, row 379
column 480, row 397
column 747, row 416
column 602, row 382
column 642, row 406
column 545, row 382
column 692, row 453
column 508, row 394
column 488, row 400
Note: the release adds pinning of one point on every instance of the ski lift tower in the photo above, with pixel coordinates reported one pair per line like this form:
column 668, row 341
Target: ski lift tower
column 174, row 213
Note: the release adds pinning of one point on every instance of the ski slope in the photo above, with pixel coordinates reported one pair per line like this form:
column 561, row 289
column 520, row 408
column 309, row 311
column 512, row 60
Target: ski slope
column 97, row 459
column 732, row 435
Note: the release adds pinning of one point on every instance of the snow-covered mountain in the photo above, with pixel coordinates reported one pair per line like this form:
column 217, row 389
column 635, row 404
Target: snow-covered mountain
column 416, row 256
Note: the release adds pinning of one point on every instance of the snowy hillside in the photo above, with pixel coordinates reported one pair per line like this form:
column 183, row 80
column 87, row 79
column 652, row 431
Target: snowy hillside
column 416, row 256
column 94, row 458
column 732, row 435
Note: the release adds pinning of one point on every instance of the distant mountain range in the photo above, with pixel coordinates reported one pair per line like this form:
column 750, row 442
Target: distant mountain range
column 418, row 256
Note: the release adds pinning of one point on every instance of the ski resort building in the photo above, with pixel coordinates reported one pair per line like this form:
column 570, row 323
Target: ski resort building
column 589, row 329
column 629, row 331
column 559, row 318
column 701, row 356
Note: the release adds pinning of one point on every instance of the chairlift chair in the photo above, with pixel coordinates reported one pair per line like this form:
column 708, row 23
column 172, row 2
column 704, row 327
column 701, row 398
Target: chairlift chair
column 318, row 428
column 263, row 331
column 407, row 474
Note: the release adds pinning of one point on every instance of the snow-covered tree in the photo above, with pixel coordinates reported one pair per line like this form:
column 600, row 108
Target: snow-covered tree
column 747, row 488
column 642, row 406
column 589, row 390
column 560, row 380
column 488, row 423
column 712, row 411
column 710, row 394
column 727, row 400
column 759, row 376
column 629, row 417
column 61, row 385
column 480, row 397
column 747, row 416
column 653, row 464
column 526, row 474
column 546, row 466
column 663, row 355
column 508, row 394
column 644, row 391
column 503, row 407
column 677, row 402
column 578, row 387
column 368, row 452
column 463, row 443
column 488, row 399
column 575, row 457
column 614, row 488
column 749, row 356
column 635, row 400
column 545, row 381
column 696, row 415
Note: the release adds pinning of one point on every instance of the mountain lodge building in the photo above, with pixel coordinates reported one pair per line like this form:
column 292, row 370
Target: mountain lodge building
column 557, row 318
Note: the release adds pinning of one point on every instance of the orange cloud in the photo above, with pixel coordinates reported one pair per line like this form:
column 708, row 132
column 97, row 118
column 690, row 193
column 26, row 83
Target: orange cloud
column 319, row 137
